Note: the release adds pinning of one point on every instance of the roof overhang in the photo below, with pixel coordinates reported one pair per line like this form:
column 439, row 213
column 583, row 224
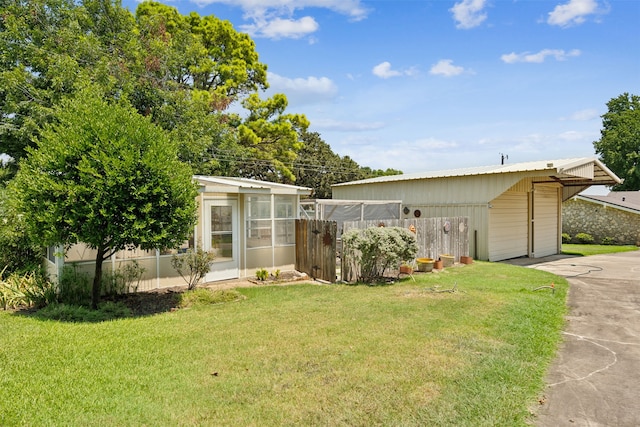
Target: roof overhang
column 587, row 172
column 215, row 184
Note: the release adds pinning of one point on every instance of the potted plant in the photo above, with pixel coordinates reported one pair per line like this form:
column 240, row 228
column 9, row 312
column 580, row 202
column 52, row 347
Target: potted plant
column 406, row 268
column 425, row 264
column 447, row 260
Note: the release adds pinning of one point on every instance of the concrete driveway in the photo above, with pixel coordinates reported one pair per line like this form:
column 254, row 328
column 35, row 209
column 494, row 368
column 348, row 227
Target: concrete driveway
column 595, row 380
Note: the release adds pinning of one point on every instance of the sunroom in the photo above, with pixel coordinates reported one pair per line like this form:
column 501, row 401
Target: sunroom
column 248, row 224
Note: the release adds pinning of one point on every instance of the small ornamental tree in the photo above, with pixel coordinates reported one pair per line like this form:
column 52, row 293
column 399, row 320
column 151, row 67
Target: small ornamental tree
column 193, row 265
column 374, row 250
column 104, row 175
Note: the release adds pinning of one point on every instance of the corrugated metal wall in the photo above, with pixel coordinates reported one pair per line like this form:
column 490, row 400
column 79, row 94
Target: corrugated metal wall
column 468, row 196
column 509, row 225
column 546, row 220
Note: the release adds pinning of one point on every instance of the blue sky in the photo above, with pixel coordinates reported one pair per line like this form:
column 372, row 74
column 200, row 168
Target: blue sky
column 428, row 85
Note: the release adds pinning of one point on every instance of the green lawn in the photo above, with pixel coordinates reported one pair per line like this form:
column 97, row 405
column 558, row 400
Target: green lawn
column 304, row 354
column 585, row 250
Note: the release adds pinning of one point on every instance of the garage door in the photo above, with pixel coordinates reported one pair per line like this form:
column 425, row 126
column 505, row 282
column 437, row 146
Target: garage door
column 508, row 226
column 545, row 221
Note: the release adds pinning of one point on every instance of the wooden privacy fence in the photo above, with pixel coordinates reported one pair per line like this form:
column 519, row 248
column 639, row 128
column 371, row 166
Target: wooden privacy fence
column 316, row 248
column 435, row 236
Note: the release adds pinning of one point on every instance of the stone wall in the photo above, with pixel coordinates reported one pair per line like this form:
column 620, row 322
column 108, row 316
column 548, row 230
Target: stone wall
column 579, row 216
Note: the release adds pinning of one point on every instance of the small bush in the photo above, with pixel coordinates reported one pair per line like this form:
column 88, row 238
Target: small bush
column 377, row 249
column 262, row 274
column 25, row 290
column 123, row 280
column 608, row 241
column 19, row 253
column 74, row 287
column 193, row 265
column 584, row 238
column 566, row 238
column 204, row 296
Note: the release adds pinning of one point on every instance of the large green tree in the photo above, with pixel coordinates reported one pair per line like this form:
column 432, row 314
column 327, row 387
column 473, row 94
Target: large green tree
column 181, row 70
column 104, row 175
column 269, row 139
column 619, row 144
column 46, row 48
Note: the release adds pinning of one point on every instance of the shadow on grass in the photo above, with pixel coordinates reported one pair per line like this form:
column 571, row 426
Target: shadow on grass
column 110, row 308
column 134, row 305
column 381, row 281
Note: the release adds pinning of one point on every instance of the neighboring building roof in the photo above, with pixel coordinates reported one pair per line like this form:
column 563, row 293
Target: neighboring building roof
column 586, row 169
column 246, row 185
column 624, row 200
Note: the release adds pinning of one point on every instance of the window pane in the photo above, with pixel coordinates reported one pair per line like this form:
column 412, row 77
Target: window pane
column 258, row 233
column 221, row 218
column 222, row 245
column 284, row 206
column 285, row 232
column 222, row 232
column 259, row 207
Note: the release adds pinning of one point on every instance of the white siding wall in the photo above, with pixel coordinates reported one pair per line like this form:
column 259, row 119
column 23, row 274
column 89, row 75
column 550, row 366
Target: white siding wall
column 545, row 220
column 509, row 226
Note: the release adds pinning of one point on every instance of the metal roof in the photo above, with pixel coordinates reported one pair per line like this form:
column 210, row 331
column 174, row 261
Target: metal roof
column 246, row 185
column 584, row 170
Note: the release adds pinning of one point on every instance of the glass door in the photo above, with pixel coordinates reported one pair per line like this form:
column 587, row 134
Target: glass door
column 221, row 237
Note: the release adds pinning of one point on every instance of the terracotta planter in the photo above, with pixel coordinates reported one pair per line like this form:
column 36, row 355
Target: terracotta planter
column 425, row 264
column 438, row 265
column 405, row 269
column 466, row 260
column 447, row 260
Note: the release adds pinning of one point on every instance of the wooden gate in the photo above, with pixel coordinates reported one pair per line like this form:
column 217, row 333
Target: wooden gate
column 316, row 248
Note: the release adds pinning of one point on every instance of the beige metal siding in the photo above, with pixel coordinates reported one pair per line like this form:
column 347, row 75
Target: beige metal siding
column 508, row 226
column 451, row 190
column 545, row 220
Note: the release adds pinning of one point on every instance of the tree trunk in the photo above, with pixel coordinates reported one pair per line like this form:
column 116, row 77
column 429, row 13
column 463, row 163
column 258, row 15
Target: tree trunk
column 97, row 278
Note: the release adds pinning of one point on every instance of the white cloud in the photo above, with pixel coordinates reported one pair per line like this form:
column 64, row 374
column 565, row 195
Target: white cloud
column 538, row 57
column 303, row 90
column 275, row 18
column 384, row 71
column 572, row 13
column 278, row 28
column 352, row 8
column 445, row 67
column 583, row 115
column 469, row 13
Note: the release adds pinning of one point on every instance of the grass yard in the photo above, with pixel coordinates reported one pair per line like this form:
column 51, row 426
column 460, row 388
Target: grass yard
column 307, row 354
column 586, row 250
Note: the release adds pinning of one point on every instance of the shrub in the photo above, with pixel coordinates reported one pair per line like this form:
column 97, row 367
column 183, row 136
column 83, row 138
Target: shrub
column 74, row 287
column 566, row 238
column 376, row 249
column 262, row 274
column 18, row 252
column 193, row 265
column 25, row 290
column 123, row 280
column 608, row 241
column 584, row 238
